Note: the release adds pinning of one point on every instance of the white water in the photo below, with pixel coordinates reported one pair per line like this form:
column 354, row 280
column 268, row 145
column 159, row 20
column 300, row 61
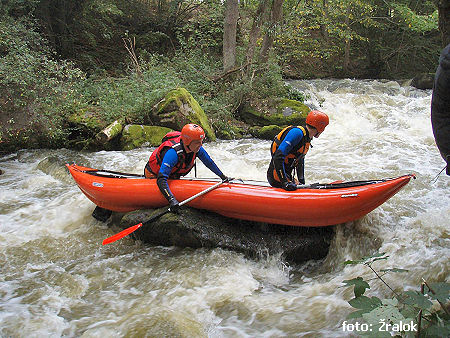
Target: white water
column 57, row 280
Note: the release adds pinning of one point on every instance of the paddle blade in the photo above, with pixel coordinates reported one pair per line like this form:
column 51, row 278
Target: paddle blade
column 121, row 234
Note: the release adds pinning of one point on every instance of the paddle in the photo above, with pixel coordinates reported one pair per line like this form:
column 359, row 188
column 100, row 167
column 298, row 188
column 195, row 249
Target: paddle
column 129, row 230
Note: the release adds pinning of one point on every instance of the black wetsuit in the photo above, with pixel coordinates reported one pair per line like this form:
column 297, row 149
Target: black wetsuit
column 440, row 106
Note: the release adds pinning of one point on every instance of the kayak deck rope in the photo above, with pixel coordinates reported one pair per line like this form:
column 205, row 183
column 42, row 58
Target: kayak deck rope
column 112, row 174
column 338, row 185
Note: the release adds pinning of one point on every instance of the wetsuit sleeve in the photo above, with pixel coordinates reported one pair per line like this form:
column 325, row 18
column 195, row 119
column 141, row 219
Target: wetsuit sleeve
column 169, row 161
column 209, row 163
column 301, row 170
column 293, row 137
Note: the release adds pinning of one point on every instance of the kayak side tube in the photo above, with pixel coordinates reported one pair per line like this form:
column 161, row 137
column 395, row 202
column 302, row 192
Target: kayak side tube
column 320, row 205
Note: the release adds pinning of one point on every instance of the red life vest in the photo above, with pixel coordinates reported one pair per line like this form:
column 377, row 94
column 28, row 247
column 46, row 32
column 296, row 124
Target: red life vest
column 185, row 161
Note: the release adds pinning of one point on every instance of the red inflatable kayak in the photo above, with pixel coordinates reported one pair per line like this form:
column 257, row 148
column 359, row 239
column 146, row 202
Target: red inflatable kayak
column 310, row 205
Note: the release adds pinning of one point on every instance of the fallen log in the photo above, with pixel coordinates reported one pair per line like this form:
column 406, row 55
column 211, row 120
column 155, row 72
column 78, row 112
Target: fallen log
column 110, row 132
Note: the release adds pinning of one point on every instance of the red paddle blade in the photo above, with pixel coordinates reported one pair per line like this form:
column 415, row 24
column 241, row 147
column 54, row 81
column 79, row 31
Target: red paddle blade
column 121, row 234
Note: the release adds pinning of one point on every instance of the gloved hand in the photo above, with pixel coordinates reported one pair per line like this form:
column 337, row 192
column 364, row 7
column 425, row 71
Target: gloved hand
column 226, row 178
column 174, row 205
column 289, row 186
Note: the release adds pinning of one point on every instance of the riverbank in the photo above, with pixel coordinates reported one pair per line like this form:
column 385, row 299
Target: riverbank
column 92, row 127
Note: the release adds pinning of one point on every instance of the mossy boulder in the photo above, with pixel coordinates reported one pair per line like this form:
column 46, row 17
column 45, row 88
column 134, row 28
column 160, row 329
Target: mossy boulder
column 266, row 132
column 230, row 132
column 178, row 108
column 87, row 119
column 83, row 125
column 135, row 136
column 291, row 107
column 285, row 112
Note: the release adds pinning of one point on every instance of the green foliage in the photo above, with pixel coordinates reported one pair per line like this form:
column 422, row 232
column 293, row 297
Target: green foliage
column 294, row 94
column 415, row 298
column 179, row 43
column 316, row 34
column 17, row 9
column 416, row 22
column 268, row 81
column 410, row 307
column 364, row 304
column 360, row 285
column 368, row 260
column 32, row 85
column 359, row 38
column 205, row 33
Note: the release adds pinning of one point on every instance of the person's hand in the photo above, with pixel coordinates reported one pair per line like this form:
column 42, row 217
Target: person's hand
column 300, row 181
column 174, row 206
column 226, row 178
column 289, row 186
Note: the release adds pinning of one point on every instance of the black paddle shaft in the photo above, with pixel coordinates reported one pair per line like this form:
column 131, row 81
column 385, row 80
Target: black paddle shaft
column 158, row 215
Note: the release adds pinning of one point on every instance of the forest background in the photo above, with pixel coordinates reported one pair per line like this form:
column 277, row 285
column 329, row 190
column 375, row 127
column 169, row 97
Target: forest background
column 116, row 58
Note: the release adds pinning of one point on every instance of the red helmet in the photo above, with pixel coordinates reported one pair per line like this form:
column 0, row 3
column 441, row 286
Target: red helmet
column 192, row 132
column 318, row 120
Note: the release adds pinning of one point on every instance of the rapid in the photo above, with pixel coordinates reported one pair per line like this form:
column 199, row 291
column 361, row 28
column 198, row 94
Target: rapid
column 56, row 279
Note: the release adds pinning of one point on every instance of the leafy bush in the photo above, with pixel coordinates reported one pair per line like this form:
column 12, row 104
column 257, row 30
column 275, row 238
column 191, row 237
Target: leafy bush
column 406, row 313
column 293, row 93
column 32, row 85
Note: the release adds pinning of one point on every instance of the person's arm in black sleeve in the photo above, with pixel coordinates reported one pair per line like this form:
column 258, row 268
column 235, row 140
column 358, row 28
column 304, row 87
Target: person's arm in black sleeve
column 292, row 138
column 278, row 163
column 301, row 170
column 169, row 160
column 161, row 181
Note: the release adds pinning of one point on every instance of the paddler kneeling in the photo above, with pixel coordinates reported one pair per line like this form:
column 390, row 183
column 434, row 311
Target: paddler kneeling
column 175, row 157
column 289, row 148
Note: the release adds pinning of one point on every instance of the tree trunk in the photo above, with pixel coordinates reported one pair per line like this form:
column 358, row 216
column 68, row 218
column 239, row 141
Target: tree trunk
column 229, row 34
column 275, row 17
column 256, row 30
column 347, row 43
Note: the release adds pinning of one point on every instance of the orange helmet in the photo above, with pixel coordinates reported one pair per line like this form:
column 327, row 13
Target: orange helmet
column 318, row 120
column 192, row 132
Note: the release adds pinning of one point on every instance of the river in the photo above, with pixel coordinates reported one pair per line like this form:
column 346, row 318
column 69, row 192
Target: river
column 56, row 278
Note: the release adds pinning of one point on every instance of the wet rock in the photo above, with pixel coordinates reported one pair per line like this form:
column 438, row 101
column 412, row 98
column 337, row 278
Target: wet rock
column 83, row 125
column 423, row 81
column 198, row 228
